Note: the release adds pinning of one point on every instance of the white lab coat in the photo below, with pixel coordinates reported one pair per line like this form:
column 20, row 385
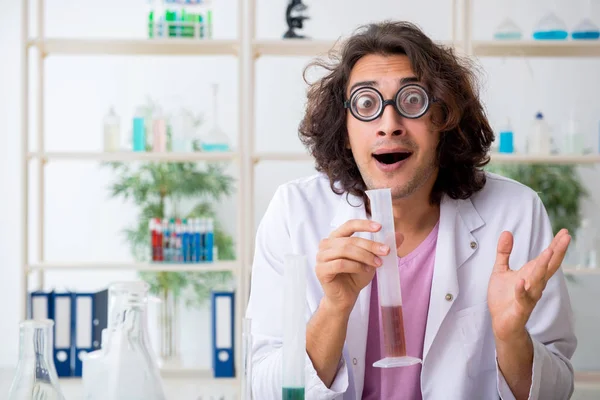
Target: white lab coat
column 459, row 353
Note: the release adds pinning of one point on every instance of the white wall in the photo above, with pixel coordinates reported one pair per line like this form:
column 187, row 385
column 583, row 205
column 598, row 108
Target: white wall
column 80, row 90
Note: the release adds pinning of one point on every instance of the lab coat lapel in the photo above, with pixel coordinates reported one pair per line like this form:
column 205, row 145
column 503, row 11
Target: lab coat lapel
column 352, row 207
column 455, row 244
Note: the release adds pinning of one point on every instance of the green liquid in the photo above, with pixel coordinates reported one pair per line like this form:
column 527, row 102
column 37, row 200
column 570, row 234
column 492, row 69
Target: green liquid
column 293, row 394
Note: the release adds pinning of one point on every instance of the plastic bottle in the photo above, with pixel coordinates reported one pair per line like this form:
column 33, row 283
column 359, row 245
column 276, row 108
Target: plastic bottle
column 112, row 131
column 539, row 141
column 159, row 132
column 181, row 125
column 139, row 130
column 506, row 138
column 573, row 143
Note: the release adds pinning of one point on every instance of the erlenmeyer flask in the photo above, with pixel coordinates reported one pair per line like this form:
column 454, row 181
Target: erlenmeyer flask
column 216, row 139
column 36, row 377
column 586, row 29
column 508, row 30
column 550, row 27
column 128, row 368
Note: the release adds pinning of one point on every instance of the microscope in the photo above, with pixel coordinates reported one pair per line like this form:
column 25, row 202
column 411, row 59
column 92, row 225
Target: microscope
column 294, row 16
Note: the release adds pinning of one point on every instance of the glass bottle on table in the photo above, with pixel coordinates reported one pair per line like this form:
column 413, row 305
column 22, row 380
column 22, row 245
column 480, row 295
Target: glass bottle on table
column 36, row 377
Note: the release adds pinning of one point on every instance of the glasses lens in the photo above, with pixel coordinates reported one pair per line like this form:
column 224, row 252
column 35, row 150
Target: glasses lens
column 413, row 101
column 366, row 103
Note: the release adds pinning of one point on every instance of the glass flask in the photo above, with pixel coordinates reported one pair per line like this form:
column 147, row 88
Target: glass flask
column 508, row 30
column 550, row 27
column 216, row 139
column 127, row 369
column 36, row 377
column 586, row 29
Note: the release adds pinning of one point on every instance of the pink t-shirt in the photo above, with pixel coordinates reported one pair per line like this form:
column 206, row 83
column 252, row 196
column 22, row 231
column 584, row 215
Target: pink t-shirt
column 416, row 272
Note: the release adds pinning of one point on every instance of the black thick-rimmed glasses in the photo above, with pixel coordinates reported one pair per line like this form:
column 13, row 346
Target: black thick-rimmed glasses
column 367, row 103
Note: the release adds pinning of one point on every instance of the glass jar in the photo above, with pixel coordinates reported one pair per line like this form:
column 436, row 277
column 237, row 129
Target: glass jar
column 36, row 377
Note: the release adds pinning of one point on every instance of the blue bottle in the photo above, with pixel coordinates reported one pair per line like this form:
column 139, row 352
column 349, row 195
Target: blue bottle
column 198, row 240
column 506, row 139
column 185, row 241
column 139, row 131
column 586, row 30
column 209, row 240
column 550, row 27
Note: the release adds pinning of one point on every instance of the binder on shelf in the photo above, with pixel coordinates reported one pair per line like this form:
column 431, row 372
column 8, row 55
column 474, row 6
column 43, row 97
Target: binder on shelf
column 90, row 317
column 222, row 308
column 79, row 319
column 63, row 333
column 41, row 305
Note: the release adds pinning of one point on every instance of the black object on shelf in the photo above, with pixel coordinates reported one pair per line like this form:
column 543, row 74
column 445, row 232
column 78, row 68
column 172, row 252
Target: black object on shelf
column 295, row 16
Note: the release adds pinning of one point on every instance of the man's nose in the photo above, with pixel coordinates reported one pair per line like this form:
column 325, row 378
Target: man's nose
column 391, row 122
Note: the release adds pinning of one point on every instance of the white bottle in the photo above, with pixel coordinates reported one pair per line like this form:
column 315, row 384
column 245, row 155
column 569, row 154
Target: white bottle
column 539, row 141
column 573, row 143
column 112, row 131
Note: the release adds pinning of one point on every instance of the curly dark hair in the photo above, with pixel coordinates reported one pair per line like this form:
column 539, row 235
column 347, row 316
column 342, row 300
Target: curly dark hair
column 465, row 133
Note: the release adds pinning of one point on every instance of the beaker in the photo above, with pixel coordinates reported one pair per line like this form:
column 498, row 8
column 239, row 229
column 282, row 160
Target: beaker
column 388, row 284
column 294, row 326
column 550, row 27
column 247, row 359
column 36, row 377
column 128, row 369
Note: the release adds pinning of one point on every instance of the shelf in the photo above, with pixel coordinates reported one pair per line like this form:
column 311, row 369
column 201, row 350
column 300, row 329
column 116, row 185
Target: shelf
column 582, row 271
column 135, row 156
column 496, row 158
column 551, row 159
column 533, row 48
column 292, row 47
column 192, row 47
column 299, row 47
column 280, row 156
column 587, row 377
column 112, row 266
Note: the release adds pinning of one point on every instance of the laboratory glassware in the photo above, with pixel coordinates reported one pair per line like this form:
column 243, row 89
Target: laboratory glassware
column 216, row 139
column 36, row 377
column 550, row 27
column 112, row 131
column 247, row 358
column 128, row 369
column 508, row 30
column 586, row 29
column 388, row 284
column 294, row 326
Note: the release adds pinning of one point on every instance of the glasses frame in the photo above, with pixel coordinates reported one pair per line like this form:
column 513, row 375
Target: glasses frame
column 384, row 103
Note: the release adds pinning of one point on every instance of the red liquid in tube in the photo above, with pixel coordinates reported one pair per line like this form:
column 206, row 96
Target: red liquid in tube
column 393, row 331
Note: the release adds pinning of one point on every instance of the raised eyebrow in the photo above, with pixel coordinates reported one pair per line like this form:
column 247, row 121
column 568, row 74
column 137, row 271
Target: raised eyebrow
column 362, row 84
column 408, row 79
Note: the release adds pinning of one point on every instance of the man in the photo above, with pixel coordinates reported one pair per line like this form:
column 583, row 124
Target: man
column 484, row 300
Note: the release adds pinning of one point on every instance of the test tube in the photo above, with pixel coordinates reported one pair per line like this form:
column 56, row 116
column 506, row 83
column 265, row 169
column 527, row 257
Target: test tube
column 294, row 326
column 388, row 284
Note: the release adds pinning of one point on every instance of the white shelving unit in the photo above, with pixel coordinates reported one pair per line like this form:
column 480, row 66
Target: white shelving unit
column 247, row 50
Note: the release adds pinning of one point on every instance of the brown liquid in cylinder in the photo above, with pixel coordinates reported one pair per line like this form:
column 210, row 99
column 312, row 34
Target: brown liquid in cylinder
column 393, row 331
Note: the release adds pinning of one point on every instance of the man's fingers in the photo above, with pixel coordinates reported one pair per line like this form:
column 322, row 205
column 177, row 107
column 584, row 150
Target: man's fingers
column 352, row 226
column 352, row 252
column 560, row 250
column 505, row 245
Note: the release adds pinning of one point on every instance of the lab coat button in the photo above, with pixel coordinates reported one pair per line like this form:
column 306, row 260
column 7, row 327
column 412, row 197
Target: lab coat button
column 354, row 361
column 449, row 296
column 473, row 245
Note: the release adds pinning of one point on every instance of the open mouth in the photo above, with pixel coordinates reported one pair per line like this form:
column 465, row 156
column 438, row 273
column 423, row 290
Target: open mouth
column 391, row 158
